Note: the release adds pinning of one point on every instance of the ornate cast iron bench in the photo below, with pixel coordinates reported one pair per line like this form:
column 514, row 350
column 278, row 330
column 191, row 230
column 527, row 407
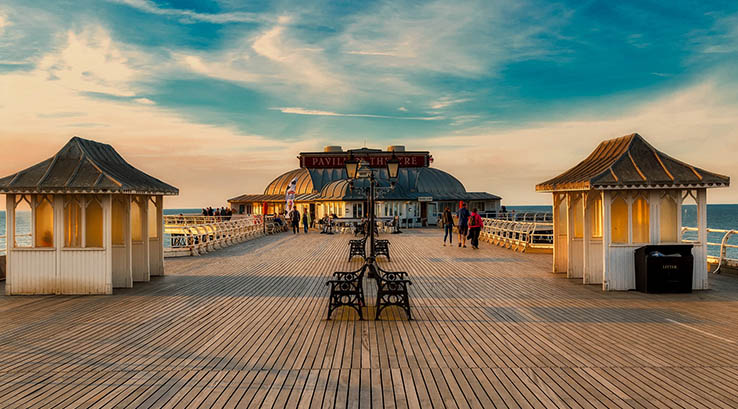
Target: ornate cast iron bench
column 347, row 289
column 357, row 248
column 392, row 290
column 381, row 248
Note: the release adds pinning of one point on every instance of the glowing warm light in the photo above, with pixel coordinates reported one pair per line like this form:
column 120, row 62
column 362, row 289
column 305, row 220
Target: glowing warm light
column 668, row 220
column 619, row 221
column 44, row 231
column 640, row 220
column 596, row 217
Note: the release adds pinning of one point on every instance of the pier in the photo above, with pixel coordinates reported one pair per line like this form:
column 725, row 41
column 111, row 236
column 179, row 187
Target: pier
column 245, row 326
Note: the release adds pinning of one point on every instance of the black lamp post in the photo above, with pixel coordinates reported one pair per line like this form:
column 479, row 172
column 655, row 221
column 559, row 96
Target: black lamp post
column 361, row 170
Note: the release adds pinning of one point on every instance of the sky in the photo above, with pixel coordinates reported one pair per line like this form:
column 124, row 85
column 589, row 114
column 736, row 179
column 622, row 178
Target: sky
column 218, row 98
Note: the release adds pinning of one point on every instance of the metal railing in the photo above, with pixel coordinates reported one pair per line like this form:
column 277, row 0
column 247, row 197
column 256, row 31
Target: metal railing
column 3, row 239
column 722, row 258
column 195, row 235
column 518, row 235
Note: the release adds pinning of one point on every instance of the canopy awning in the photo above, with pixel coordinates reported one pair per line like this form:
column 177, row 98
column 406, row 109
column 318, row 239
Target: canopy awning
column 85, row 166
column 629, row 162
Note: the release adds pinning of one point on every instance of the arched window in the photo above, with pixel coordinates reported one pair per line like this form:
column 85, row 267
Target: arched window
column 596, row 216
column 44, row 218
column 93, row 223
column 641, row 220
column 668, row 220
column 577, row 215
column 118, row 221
column 619, row 220
column 153, row 219
column 136, row 220
column 22, row 228
column 72, row 222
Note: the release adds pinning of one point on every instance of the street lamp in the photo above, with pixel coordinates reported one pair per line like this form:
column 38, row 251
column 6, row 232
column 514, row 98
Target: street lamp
column 362, row 170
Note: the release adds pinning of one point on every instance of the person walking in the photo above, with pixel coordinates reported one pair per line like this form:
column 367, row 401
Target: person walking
column 475, row 228
column 447, row 219
column 305, row 221
column 295, row 219
column 463, row 215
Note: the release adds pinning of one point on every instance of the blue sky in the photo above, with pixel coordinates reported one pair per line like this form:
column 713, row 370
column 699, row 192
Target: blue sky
column 504, row 93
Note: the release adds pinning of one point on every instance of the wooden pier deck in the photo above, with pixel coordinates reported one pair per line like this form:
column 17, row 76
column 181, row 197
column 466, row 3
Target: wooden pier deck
column 245, row 327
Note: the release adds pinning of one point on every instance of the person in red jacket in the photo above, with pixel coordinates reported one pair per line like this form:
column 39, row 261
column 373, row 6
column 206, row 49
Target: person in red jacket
column 475, row 227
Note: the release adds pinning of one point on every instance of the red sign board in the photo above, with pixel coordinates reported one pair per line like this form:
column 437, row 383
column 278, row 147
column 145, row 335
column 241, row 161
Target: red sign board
column 375, row 161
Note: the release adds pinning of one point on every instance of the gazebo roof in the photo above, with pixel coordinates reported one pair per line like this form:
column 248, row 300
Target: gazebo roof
column 85, row 166
column 629, row 162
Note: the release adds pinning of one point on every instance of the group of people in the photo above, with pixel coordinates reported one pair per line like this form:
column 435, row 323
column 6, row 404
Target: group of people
column 225, row 212
column 470, row 226
column 294, row 217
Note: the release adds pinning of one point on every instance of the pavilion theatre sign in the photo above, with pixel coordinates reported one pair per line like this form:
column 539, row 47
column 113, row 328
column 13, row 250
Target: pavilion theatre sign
column 376, row 160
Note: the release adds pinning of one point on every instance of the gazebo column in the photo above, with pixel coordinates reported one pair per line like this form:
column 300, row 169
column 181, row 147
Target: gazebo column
column 699, row 274
column 122, row 273
column 561, row 241
column 156, row 244
column 9, row 240
column 593, row 237
column 575, row 265
column 139, row 244
column 606, row 238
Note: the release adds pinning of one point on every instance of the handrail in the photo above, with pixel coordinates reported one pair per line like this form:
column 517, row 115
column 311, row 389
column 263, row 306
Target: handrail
column 195, row 235
column 518, row 235
column 723, row 245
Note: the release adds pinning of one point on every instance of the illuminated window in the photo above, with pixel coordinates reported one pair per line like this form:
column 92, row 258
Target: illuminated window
column 153, row 219
column 596, row 216
column 118, row 222
column 72, row 223
column 640, row 220
column 668, row 220
column 22, row 228
column 44, row 231
column 577, row 216
column 619, row 220
column 136, row 220
column 562, row 218
column 93, row 223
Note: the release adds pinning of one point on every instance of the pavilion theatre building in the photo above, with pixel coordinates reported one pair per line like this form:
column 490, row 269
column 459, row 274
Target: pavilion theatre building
column 418, row 197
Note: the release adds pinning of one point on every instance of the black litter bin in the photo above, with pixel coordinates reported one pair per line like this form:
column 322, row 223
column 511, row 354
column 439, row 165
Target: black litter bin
column 664, row 268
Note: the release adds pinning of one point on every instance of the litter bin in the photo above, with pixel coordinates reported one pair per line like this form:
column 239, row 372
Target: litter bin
column 664, row 268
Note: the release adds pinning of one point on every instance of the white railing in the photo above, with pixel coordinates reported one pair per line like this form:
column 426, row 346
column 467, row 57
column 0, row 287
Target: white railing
column 518, row 235
column 722, row 258
column 3, row 238
column 195, row 235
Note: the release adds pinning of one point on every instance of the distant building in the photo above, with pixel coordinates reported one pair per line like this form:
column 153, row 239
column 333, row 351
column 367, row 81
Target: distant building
column 420, row 194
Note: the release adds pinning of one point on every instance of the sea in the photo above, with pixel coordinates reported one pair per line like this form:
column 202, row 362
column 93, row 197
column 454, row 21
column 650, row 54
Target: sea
column 719, row 216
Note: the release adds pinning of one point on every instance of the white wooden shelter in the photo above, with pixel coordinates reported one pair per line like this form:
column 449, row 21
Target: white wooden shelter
column 94, row 222
column 624, row 195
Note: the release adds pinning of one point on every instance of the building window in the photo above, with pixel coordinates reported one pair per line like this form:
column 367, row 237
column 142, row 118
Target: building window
column 153, row 219
column 118, row 221
column 22, row 227
column 668, row 220
column 596, row 216
column 72, row 222
column 136, row 220
column 93, row 223
column 561, row 216
column 44, row 232
column 640, row 220
column 577, row 215
column 619, row 220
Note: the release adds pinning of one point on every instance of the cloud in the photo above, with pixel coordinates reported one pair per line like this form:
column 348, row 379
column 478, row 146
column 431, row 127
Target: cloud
column 447, row 101
column 44, row 107
column 3, row 22
column 304, row 111
column 219, row 18
column 696, row 124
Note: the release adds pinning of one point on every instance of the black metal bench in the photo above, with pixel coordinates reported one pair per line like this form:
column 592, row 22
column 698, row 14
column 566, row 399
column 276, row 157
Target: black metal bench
column 381, row 248
column 392, row 290
column 347, row 289
column 357, row 247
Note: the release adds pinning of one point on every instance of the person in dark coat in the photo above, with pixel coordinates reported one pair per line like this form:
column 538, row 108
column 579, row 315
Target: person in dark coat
column 295, row 218
column 447, row 220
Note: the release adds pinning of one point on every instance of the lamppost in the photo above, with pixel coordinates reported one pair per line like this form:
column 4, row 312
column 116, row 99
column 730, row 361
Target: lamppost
column 362, row 170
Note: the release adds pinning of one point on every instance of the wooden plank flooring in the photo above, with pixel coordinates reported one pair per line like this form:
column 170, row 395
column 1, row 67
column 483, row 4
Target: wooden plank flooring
column 245, row 327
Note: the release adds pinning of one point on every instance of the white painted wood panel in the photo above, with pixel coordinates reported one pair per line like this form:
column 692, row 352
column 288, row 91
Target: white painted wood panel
column 31, row 271
column 140, row 267
column 593, row 266
column 83, row 272
column 156, row 257
column 576, row 259
column 620, row 270
column 122, row 277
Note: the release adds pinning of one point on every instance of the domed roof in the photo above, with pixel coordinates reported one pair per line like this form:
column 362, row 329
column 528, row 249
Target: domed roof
column 435, row 181
column 279, row 185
